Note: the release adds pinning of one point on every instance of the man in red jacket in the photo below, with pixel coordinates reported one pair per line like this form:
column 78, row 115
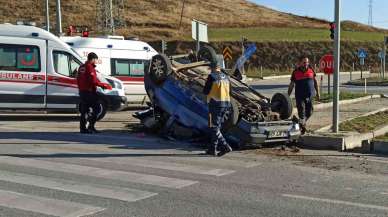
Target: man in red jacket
column 87, row 85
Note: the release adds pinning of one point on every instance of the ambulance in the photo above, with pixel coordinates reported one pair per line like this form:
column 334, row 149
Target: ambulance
column 126, row 60
column 38, row 71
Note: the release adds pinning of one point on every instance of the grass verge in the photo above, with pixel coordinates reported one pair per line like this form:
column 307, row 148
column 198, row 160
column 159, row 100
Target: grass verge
column 260, row 34
column 325, row 98
column 365, row 124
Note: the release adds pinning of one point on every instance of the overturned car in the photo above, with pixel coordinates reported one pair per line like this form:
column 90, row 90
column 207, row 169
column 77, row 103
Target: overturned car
column 174, row 85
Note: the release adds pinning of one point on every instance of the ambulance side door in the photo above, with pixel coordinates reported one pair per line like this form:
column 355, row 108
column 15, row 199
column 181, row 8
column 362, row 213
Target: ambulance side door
column 62, row 88
column 22, row 73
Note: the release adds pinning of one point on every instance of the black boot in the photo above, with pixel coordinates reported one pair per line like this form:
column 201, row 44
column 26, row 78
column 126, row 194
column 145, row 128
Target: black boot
column 92, row 129
column 212, row 150
column 224, row 150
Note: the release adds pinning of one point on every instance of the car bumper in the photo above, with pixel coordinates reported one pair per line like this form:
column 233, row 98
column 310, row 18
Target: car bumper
column 265, row 132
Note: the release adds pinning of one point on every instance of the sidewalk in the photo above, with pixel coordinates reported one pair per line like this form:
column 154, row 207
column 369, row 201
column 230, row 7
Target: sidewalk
column 323, row 117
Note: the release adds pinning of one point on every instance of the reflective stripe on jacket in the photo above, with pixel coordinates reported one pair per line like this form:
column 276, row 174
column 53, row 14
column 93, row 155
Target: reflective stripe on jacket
column 217, row 89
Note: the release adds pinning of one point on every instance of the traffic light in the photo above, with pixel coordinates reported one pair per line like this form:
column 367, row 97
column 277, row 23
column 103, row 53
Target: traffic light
column 332, row 30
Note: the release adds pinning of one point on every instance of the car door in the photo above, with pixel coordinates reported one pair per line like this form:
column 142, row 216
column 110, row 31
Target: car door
column 22, row 73
column 62, row 89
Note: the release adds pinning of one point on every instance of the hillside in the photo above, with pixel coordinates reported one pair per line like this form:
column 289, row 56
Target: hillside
column 156, row 19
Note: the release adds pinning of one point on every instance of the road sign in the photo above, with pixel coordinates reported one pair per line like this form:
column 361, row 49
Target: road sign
column 362, row 54
column 381, row 55
column 202, row 31
column 227, row 52
column 362, row 61
column 326, row 64
column 247, row 54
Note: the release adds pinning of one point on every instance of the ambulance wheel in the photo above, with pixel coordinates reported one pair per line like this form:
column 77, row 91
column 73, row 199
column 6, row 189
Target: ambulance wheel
column 160, row 69
column 102, row 109
column 233, row 116
column 208, row 54
column 282, row 104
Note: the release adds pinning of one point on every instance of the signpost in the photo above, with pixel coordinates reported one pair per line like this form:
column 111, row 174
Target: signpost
column 381, row 57
column 337, row 60
column 362, row 54
column 199, row 32
column 326, row 65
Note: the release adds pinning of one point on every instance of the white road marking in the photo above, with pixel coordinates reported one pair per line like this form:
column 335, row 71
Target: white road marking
column 132, row 161
column 124, row 194
column 165, row 166
column 219, row 161
column 332, row 201
column 45, row 205
column 98, row 172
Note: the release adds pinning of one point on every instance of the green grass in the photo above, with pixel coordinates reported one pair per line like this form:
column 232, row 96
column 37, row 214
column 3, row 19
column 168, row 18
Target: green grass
column 343, row 96
column 287, row 34
column 257, row 73
column 365, row 124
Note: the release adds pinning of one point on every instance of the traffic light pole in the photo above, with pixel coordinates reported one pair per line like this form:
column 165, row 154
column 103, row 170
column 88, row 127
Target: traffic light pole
column 384, row 54
column 337, row 53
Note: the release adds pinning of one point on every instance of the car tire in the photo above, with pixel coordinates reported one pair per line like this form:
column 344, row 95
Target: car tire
column 103, row 107
column 160, row 69
column 208, row 54
column 232, row 117
column 282, row 104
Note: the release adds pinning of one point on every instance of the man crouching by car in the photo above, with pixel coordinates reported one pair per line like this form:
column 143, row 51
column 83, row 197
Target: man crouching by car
column 217, row 89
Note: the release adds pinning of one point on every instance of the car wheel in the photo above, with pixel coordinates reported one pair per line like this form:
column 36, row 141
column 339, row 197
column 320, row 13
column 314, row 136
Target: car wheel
column 102, row 109
column 281, row 103
column 232, row 117
column 208, row 54
column 160, row 68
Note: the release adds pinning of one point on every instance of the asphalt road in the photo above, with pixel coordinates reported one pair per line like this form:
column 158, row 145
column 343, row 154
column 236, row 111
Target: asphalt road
column 269, row 87
column 48, row 169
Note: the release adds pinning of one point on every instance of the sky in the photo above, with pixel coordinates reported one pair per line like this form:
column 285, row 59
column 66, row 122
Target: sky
column 355, row 10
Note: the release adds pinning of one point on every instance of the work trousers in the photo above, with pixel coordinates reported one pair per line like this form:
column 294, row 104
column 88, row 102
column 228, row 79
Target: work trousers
column 217, row 117
column 88, row 108
column 305, row 109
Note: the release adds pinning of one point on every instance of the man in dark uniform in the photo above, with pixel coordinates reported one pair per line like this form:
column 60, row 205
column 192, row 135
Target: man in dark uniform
column 306, row 87
column 217, row 89
column 87, row 85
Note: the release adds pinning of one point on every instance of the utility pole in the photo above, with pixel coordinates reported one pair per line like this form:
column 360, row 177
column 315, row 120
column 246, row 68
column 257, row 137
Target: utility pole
column 59, row 18
column 337, row 60
column 112, row 24
column 384, row 54
column 370, row 18
column 109, row 15
column 183, row 9
column 47, row 16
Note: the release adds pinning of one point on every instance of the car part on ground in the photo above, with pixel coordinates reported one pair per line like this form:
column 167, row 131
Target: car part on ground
column 174, row 85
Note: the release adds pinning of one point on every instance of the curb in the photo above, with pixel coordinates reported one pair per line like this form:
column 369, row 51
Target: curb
column 318, row 74
column 345, row 142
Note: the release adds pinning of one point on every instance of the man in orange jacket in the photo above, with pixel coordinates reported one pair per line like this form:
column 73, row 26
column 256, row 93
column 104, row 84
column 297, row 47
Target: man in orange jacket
column 87, row 85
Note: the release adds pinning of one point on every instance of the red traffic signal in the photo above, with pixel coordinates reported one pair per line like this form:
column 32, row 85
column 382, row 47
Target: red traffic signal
column 332, row 30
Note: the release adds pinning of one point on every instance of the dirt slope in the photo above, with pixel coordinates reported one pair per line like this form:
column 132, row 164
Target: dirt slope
column 155, row 19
